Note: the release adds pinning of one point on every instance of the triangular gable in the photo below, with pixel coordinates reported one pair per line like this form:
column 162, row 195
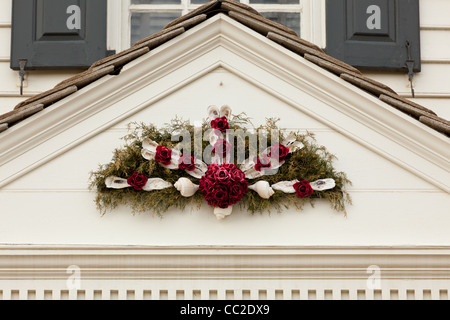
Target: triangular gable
column 246, row 53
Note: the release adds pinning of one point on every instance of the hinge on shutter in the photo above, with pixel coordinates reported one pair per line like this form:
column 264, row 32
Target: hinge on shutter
column 410, row 65
column 22, row 65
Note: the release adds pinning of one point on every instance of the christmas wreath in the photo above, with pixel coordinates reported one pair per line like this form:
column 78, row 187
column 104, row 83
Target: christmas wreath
column 155, row 172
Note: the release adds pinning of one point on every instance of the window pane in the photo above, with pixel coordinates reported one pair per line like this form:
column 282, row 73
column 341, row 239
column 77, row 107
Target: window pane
column 144, row 24
column 288, row 19
column 199, row 1
column 276, row 1
column 155, row 1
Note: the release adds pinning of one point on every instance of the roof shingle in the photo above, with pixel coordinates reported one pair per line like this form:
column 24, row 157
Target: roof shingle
column 249, row 17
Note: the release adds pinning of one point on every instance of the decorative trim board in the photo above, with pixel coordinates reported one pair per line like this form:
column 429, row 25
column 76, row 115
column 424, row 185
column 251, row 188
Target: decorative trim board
column 309, row 273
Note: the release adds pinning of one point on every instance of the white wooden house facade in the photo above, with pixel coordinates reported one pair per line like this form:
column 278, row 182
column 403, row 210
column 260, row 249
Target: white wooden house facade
column 393, row 244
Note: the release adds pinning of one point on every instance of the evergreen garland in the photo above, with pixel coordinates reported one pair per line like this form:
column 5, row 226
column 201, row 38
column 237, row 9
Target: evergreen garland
column 310, row 163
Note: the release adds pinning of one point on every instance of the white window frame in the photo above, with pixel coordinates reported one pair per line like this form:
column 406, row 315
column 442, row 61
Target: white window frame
column 312, row 22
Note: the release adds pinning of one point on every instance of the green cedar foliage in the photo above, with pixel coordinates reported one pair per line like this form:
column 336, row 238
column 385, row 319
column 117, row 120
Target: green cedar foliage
column 311, row 163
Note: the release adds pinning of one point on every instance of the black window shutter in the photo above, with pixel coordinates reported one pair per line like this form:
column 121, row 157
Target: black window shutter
column 374, row 34
column 55, row 34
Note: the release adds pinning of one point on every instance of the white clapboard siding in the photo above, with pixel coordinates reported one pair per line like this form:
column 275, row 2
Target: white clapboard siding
column 5, row 11
column 431, row 85
column 5, row 40
column 427, row 83
column 435, row 45
column 434, row 13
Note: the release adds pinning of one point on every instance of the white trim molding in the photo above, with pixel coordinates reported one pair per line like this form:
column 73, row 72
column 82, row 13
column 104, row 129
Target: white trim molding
column 307, row 273
column 313, row 22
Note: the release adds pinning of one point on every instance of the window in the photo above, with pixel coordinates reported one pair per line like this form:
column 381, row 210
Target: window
column 150, row 16
column 132, row 20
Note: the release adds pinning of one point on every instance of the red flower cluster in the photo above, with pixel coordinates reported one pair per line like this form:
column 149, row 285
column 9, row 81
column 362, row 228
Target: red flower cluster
column 279, row 151
column 220, row 124
column 276, row 151
column 262, row 162
column 223, row 185
column 303, row 189
column 186, row 163
column 137, row 180
column 222, row 147
column 163, row 155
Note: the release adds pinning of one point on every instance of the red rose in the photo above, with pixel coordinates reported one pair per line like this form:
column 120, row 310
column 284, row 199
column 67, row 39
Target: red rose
column 186, row 163
column 222, row 148
column 223, row 185
column 262, row 162
column 229, row 166
column 206, row 185
column 218, row 197
column 137, row 180
column 212, row 168
column 220, row 124
column 163, row 155
column 303, row 189
column 211, row 200
column 222, row 176
column 220, row 193
column 237, row 175
column 223, row 204
column 237, row 190
column 279, row 151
